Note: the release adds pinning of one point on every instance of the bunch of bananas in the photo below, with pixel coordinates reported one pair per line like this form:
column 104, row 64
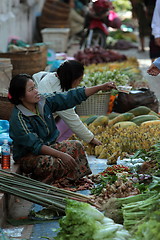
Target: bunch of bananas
column 131, row 63
column 120, row 142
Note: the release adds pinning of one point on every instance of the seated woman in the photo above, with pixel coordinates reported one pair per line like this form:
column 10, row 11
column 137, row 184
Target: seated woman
column 34, row 133
column 68, row 75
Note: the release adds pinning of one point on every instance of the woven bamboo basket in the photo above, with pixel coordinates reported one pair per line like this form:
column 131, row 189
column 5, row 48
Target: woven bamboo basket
column 5, row 108
column 55, row 14
column 96, row 104
column 32, row 60
column 5, row 75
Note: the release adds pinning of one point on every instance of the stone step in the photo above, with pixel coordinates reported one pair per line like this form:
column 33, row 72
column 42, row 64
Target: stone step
column 7, row 200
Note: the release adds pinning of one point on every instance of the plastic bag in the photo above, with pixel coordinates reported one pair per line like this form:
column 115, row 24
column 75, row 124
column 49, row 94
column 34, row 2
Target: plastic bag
column 4, row 126
column 142, row 97
column 4, row 132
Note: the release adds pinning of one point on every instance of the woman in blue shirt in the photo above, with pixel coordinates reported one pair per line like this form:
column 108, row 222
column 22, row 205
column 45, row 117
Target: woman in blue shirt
column 34, row 132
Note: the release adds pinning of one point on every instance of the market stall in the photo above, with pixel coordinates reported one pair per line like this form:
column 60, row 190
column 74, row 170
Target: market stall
column 120, row 199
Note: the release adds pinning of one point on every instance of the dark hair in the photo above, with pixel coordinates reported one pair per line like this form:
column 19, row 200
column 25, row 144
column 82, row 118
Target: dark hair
column 68, row 72
column 17, row 88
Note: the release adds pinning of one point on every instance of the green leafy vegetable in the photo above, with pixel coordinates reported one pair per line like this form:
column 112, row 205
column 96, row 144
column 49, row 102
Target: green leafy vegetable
column 104, row 180
column 85, row 222
column 148, row 230
column 118, row 76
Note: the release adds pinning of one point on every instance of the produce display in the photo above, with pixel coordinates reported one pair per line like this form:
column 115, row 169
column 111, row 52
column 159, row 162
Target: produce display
column 127, row 71
column 119, row 34
column 126, row 193
column 130, row 63
column 98, row 55
column 113, row 186
column 94, row 78
column 120, row 39
column 124, row 133
column 122, row 201
column 118, row 218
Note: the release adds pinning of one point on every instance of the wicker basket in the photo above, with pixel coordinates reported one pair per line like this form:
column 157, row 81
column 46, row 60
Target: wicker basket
column 96, row 104
column 32, row 60
column 55, row 14
column 5, row 75
column 5, row 108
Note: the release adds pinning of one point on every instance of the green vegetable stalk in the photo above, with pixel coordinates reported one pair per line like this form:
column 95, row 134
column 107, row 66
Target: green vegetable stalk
column 134, row 213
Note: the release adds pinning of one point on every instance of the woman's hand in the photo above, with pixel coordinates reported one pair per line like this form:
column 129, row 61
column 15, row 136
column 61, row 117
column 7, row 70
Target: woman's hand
column 103, row 87
column 153, row 70
column 68, row 161
column 96, row 142
column 108, row 86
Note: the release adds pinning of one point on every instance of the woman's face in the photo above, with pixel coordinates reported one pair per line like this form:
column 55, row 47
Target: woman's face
column 77, row 82
column 31, row 93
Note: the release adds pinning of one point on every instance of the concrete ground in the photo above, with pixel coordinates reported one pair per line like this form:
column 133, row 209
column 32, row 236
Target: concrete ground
column 22, row 207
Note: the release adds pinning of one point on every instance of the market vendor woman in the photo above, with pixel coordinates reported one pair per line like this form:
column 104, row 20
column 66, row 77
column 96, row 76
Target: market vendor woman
column 34, row 132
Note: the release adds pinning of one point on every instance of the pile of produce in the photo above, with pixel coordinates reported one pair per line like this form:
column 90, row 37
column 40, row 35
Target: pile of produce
column 124, row 133
column 120, row 44
column 98, row 55
column 118, row 181
column 131, row 218
column 136, row 211
column 112, row 186
column 115, row 169
column 122, row 40
column 102, row 72
column 130, row 63
column 119, row 77
column 119, row 34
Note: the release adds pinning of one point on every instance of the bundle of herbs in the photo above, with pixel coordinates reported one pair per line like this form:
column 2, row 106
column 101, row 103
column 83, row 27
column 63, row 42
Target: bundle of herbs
column 151, row 158
column 38, row 192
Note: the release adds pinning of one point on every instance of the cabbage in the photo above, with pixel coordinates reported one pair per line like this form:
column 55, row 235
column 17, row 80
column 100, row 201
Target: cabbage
column 104, row 232
column 85, row 222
